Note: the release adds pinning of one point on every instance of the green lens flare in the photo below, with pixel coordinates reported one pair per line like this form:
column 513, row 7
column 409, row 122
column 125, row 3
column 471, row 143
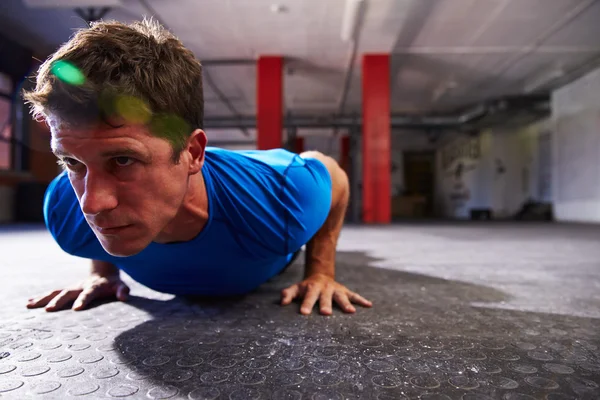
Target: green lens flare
column 133, row 110
column 169, row 126
column 172, row 128
column 68, row 73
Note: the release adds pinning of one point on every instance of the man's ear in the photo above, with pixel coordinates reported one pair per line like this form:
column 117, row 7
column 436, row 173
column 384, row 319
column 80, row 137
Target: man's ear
column 196, row 146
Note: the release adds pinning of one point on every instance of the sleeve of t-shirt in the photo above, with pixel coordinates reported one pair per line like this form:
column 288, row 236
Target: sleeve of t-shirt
column 307, row 195
column 274, row 201
column 65, row 221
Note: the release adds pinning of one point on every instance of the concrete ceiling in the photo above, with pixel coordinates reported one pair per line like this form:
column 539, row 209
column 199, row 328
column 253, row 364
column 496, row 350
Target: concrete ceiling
column 446, row 54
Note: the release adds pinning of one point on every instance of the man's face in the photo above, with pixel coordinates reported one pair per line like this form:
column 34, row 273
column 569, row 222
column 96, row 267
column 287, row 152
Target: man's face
column 128, row 187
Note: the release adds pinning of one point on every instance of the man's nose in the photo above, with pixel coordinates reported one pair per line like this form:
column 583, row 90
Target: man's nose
column 99, row 195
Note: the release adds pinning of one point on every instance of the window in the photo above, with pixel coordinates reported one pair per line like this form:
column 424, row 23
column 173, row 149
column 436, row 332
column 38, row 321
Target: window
column 5, row 122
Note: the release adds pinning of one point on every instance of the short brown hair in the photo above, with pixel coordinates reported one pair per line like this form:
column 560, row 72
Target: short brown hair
column 140, row 61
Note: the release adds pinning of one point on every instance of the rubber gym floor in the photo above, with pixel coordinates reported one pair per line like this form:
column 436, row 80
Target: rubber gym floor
column 461, row 311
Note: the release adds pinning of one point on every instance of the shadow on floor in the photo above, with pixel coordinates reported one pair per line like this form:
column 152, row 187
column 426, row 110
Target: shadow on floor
column 422, row 338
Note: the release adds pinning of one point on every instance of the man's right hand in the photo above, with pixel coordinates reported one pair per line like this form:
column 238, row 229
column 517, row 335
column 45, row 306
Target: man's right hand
column 93, row 288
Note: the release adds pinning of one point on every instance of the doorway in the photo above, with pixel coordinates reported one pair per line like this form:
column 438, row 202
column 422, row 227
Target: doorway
column 419, row 184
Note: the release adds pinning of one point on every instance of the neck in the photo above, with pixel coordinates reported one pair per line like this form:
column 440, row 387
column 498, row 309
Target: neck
column 192, row 215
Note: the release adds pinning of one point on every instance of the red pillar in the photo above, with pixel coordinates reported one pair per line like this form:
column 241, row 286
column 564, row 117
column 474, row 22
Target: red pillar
column 269, row 102
column 298, row 144
column 376, row 141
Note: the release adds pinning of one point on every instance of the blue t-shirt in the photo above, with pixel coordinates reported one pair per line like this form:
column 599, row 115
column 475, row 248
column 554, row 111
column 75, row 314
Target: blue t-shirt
column 263, row 206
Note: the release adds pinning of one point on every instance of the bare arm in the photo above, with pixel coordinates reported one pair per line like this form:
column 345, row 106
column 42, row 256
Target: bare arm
column 319, row 277
column 103, row 268
column 320, row 250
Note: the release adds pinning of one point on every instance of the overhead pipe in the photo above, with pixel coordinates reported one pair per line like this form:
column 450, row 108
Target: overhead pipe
column 225, row 62
column 470, row 116
column 347, row 121
column 229, row 143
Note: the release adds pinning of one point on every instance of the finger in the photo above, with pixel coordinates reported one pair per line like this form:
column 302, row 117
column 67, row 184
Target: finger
column 41, row 301
column 311, row 297
column 344, row 302
column 85, row 298
column 122, row 292
column 289, row 294
column 358, row 299
column 63, row 298
column 325, row 300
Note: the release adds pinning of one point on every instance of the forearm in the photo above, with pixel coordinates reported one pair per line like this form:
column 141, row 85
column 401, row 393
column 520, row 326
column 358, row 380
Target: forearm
column 104, row 269
column 319, row 282
column 321, row 249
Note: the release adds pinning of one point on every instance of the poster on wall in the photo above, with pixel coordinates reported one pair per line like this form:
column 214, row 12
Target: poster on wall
column 459, row 191
column 458, row 159
column 465, row 151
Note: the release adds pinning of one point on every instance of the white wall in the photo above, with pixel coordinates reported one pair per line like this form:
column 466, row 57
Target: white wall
column 576, row 150
column 502, row 168
column 462, row 176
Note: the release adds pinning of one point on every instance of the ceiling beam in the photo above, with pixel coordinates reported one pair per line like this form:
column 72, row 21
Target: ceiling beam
column 483, row 50
column 225, row 62
column 536, row 104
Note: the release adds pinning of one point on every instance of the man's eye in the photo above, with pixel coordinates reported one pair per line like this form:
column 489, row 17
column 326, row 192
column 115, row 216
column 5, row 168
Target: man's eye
column 123, row 161
column 70, row 162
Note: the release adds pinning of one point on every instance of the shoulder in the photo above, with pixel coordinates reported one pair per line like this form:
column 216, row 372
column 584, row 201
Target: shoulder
column 250, row 175
column 244, row 189
column 64, row 218
column 273, row 196
column 275, row 161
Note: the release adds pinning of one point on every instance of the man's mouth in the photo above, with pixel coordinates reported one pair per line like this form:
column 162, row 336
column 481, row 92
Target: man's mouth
column 111, row 230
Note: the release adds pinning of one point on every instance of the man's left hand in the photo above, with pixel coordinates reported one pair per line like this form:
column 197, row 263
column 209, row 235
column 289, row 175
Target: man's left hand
column 322, row 288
